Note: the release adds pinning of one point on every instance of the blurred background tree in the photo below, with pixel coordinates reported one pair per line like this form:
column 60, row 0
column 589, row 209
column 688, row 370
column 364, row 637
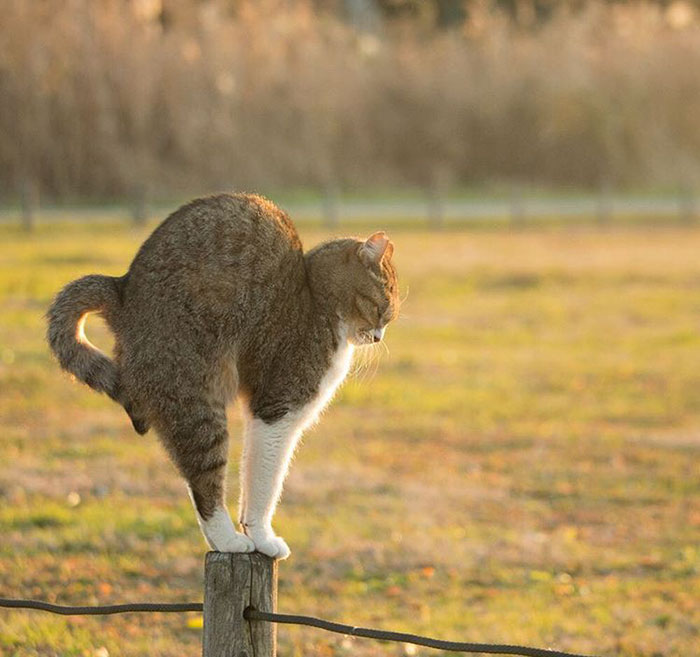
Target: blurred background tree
column 123, row 98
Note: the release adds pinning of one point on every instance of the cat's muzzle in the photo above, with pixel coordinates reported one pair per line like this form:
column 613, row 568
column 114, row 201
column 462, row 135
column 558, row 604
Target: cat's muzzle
column 378, row 335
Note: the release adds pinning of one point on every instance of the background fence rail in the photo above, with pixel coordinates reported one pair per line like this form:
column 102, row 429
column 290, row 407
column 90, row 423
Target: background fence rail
column 433, row 211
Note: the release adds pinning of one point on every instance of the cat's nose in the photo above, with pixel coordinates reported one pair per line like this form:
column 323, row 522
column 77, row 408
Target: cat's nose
column 378, row 334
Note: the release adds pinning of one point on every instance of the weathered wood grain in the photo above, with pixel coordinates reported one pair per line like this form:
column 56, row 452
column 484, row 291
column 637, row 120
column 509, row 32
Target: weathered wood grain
column 263, row 597
column 234, row 582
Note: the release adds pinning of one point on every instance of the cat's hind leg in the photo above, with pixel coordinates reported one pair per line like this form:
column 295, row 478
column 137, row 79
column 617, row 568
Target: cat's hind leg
column 198, row 444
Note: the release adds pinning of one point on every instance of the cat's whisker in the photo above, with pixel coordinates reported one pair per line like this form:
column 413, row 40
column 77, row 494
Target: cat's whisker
column 378, row 353
column 404, row 297
column 373, row 355
column 358, row 362
column 361, row 363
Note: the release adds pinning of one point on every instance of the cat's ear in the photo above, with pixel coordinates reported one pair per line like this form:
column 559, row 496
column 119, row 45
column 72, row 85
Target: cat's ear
column 376, row 248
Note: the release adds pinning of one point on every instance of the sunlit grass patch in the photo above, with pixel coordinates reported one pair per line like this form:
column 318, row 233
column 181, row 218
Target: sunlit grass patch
column 520, row 466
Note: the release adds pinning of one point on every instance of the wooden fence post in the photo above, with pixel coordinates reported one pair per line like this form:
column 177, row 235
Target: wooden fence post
column 517, row 207
column 435, row 205
column 330, row 205
column 604, row 204
column 686, row 204
column 233, row 582
column 139, row 204
column 30, row 202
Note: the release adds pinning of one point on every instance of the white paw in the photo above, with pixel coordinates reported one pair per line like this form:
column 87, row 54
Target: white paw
column 221, row 534
column 234, row 543
column 271, row 545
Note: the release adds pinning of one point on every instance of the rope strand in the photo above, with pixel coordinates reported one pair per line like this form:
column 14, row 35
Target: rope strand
column 102, row 610
column 383, row 635
column 251, row 614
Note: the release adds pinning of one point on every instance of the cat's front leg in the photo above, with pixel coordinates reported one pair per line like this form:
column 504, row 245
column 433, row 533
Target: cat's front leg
column 266, row 454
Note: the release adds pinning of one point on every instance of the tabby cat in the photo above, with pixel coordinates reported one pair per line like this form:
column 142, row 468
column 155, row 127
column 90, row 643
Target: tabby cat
column 221, row 303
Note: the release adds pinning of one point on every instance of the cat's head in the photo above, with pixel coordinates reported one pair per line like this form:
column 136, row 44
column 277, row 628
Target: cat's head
column 357, row 279
column 373, row 301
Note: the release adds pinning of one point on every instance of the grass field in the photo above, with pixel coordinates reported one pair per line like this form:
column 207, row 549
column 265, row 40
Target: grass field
column 522, row 466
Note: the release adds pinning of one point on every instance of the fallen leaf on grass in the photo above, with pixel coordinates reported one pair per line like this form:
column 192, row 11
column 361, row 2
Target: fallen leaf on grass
column 196, row 623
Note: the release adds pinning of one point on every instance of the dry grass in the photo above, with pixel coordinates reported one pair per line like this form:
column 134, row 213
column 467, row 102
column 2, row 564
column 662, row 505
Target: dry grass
column 521, row 467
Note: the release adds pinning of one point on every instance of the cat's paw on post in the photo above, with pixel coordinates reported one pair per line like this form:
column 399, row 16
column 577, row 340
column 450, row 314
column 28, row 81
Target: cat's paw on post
column 274, row 547
column 235, row 543
column 221, row 534
column 266, row 542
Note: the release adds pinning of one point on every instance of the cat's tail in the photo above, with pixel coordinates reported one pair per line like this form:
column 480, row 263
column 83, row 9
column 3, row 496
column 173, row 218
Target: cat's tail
column 66, row 337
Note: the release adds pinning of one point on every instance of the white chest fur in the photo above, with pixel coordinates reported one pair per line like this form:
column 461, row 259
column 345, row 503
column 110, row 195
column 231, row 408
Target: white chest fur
column 340, row 364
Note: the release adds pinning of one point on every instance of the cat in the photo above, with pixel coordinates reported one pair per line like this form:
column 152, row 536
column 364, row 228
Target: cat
column 221, row 303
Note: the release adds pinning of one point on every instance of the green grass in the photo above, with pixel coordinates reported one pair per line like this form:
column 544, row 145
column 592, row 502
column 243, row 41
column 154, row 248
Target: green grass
column 521, row 467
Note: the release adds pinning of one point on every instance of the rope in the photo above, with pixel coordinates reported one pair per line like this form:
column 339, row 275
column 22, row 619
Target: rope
column 102, row 610
column 251, row 614
column 383, row 635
